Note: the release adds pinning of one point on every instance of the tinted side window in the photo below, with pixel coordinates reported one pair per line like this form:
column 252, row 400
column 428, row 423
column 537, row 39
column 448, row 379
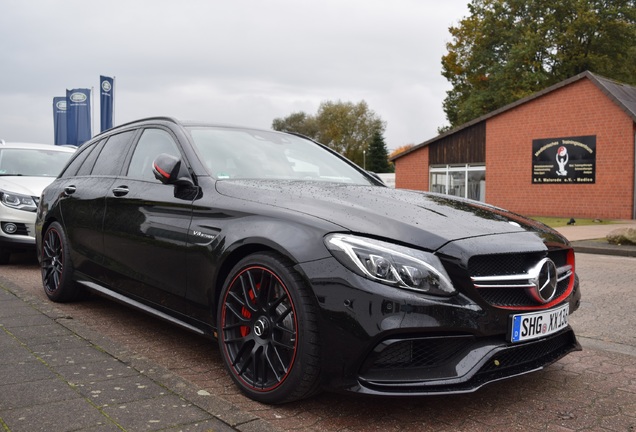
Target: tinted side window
column 80, row 157
column 89, row 161
column 152, row 143
column 112, row 156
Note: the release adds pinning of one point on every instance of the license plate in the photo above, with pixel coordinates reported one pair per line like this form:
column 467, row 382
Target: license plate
column 538, row 324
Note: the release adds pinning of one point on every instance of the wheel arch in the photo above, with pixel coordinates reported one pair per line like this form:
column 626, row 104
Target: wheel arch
column 240, row 251
column 288, row 239
column 233, row 257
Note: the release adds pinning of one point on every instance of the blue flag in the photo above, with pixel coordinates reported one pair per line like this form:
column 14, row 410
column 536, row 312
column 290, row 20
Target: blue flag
column 78, row 116
column 59, row 120
column 106, row 96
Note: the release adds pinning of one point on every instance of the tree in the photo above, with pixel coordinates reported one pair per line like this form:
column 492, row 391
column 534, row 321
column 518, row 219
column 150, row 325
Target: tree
column 298, row 122
column 508, row 49
column 401, row 149
column 377, row 158
column 345, row 127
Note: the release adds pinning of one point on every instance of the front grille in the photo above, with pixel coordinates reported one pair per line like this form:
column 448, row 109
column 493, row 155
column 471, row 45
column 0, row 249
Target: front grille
column 502, row 264
column 510, row 297
column 505, row 280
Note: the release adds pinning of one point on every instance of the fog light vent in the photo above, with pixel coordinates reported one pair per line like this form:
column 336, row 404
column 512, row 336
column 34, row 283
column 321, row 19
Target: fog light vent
column 9, row 228
column 12, row 228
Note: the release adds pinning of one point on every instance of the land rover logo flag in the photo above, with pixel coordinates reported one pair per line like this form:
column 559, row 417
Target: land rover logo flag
column 106, row 88
column 59, row 120
column 78, row 116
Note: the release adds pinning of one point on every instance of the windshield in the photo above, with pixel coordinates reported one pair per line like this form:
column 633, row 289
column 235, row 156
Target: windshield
column 242, row 153
column 32, row 162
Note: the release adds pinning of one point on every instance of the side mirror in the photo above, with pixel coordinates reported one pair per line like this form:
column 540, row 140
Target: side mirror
column 170, row 170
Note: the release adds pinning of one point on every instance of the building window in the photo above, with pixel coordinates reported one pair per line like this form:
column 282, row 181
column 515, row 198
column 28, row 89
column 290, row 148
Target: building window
column 466, row 181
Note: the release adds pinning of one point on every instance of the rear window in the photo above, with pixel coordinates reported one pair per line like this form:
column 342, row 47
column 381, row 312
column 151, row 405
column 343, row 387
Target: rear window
column 80, row 157
column 111, row 159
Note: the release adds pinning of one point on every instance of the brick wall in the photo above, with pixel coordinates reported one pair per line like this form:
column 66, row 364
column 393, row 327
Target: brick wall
column 411, row 171
column 575, row 110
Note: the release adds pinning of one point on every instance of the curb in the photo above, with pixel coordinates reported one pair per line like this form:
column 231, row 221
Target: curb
column 602, row 247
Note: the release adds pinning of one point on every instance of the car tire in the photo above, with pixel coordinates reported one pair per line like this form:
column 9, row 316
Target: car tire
column 57, row 268
column 268, row 331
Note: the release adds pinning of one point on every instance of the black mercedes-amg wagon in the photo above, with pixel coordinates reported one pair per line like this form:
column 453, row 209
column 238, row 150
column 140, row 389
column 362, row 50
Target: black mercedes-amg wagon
column 309, row 271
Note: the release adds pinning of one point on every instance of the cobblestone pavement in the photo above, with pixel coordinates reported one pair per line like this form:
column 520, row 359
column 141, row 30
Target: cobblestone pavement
column 592, row 390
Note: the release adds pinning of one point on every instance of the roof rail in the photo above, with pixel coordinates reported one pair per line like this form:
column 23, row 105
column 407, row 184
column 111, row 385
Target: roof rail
column 166, row 118
column 2, row 142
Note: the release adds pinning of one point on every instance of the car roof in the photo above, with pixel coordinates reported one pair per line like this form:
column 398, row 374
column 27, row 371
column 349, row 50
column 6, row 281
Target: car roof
column 184, row 123
column 36, row 146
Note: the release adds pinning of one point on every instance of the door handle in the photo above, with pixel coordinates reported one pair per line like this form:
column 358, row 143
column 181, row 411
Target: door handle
column 69, row 190
column 120, row 191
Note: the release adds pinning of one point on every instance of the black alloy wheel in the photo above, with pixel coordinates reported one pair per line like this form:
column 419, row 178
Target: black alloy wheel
column 57, row 269
column 268, row 333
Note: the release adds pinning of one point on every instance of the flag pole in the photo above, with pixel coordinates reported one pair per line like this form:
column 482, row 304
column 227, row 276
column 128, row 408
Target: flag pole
column 114, row 99
column 92, row 113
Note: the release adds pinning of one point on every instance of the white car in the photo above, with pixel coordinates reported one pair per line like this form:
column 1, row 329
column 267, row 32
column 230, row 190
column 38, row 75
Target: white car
column 25, row 170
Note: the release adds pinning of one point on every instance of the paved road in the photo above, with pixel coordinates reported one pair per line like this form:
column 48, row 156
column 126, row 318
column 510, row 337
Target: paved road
column 590, row 390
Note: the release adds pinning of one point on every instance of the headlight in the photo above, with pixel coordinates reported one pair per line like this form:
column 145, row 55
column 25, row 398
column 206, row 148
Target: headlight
column 18, row 201
column 391, row 264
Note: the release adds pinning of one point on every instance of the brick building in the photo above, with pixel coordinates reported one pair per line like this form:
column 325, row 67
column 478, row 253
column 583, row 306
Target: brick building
column 568, row 151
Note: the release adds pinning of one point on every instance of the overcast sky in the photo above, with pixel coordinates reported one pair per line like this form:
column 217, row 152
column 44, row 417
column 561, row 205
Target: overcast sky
column 241, row 62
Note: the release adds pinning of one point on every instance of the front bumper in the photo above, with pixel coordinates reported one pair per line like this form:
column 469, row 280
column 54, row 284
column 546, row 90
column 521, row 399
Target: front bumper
column 386, row 341
column 456, row 365
column 24, row 237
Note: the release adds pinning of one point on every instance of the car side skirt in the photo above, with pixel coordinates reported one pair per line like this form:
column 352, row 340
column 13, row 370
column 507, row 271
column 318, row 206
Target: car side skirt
column 105, row 292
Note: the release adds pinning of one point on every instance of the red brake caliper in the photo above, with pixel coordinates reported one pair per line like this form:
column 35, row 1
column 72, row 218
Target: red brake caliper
column 245, row 330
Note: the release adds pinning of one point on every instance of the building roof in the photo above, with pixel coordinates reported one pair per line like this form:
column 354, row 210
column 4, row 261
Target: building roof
column 621, row 94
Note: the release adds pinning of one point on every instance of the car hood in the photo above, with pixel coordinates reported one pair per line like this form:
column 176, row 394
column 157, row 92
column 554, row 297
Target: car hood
column 424, row 219
column 32, row 186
